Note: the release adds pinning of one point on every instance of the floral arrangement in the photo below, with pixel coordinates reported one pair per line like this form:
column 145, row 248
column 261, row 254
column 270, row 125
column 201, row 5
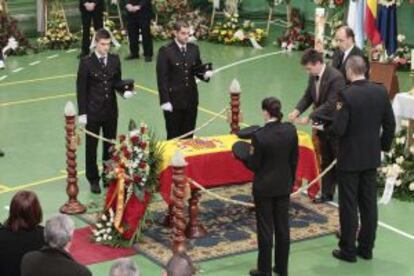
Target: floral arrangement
column 8, row 29
column 231, row 31
column 57, row 35
column 399, row 163
column 334, row 22
column 295, row 37
column 132, row 176
column 120, row 35
column 402, row 56
column 330, row 3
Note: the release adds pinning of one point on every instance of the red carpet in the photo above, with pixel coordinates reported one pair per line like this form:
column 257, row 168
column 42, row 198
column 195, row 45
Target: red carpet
column 87, row 252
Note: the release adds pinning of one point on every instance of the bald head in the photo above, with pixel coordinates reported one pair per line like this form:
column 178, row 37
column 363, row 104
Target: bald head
column 180, row 265
column 345, row 38
column 355, row 68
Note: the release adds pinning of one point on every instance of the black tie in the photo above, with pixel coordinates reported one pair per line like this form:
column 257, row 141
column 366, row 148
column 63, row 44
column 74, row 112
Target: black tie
column 316, row 78
column 183, row 50
column 102, row 61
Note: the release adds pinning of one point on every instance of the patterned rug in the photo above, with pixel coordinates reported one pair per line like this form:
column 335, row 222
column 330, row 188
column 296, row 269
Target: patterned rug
column 232, row 229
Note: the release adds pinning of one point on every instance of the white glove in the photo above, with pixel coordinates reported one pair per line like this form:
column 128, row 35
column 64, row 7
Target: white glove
column 318, row 127
column 208, row 74
column 129, row 7
column 128, row 94
column 167, row 107
column 83, row 119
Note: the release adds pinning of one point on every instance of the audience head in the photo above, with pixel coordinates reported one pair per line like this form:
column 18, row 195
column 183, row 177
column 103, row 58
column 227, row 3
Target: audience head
column 272, row 108
column 102, row 41
column 312, row 61
column 59, row 231
column 124, row 267
column 355, row 68
column 181, row 31
column 180, row 264
column 345, row 38
column 25, row 212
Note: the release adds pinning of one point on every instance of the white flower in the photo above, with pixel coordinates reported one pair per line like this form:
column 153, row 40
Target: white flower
column 99, row 239
column 401, row 38
column 95, row 233
column 412, row 149
column 99, row 225
column 411, row 187
column 399, row 160
column 103, row 217
column 398, row 183
column 404, row 123
column 108, row 230
column 108, row 224
column 109, row 238
column 105, row 237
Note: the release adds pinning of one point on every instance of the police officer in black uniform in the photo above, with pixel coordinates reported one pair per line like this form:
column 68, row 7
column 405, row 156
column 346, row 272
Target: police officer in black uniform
column 139, row 18
column 273, row 160
column 98, row 75
column 91, row 11
column 363, row 110
column 178, row 64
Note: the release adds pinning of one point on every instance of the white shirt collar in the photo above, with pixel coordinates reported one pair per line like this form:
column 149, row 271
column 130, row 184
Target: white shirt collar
column 322, row 71
column 346, row 53
column 180, row 45
column 271, row 120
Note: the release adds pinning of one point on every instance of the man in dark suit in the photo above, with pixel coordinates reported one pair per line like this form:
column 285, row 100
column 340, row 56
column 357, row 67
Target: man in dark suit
column 345, row 38
column 54, row 259
column 363, row 109
column 273, row 160
column 139, row 18
column 323, row 86
column 98, row 75
column 91, row 11
column 178, row 64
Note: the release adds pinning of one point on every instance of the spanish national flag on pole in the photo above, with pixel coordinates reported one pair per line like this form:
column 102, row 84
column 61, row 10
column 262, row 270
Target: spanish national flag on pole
column 371, row 29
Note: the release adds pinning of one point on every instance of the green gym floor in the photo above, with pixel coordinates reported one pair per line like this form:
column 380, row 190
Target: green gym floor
column 35, row 88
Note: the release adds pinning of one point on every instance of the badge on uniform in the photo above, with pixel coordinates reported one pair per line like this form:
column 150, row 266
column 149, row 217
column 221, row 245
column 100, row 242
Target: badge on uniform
column 339, row 105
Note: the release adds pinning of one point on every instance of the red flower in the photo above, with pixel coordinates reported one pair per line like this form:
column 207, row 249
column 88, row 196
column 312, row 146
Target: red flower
column 137, row 178
column 339, row 2
column 127, row 154
column 122, row 138
column 135, row 139
column 142, row 165
column 116, row 158
column 143, row 145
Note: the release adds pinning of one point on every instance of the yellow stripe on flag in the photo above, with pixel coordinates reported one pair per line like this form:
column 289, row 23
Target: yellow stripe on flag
column 373, row 5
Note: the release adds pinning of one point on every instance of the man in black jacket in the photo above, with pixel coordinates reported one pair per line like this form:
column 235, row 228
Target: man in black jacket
column 178, row 64
column 363, row 109
column 345, row 38
column 54, row 259
column 323, row 86
column 98, row 75
column 139, row 18
column 91, row 11
column 273, row 160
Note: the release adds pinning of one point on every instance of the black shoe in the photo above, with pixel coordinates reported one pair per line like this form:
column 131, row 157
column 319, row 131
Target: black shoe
column 278, row 272
column 364, row 255
column 341, row 256
column 255, row 272
column 131, row 57
column 1, row 153
column 148, row 59
column 95, row 189
column 323, row 199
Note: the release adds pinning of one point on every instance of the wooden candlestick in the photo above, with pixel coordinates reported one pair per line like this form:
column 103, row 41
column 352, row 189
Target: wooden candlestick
column 235, row 92
column 179, row 223
column 72, row 206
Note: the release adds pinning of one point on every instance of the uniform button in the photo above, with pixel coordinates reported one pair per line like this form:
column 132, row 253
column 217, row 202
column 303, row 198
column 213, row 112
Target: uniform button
column 106, row 96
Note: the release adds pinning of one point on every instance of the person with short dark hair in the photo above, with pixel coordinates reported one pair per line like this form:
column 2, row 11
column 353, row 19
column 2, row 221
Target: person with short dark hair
column 178, row 65
column 21, row 232
column 180, row 264
column 98, row 76
column 54, row 258
column 365, row 124
column 273, row 159
column 322, row 91
column 91, row 11
column 345, row 39
column 139, row 15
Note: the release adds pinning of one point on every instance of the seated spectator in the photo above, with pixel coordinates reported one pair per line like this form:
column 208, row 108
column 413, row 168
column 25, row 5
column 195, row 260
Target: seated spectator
column 21, row 232
column 54, row 259
column 180, row 265
column 124, row 267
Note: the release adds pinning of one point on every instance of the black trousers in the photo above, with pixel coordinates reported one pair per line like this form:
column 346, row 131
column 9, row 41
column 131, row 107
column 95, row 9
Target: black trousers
column 180, row 121
column 135, row 25
column 329, row 152
column 357, row 190
column 272, row 218
column 96, row 17
column 109, row 131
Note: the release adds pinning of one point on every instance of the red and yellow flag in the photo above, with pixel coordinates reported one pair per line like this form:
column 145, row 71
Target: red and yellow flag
column 371, row 28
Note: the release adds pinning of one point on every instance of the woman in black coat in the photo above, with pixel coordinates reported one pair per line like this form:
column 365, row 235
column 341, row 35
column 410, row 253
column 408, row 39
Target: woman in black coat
column 21, row 232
